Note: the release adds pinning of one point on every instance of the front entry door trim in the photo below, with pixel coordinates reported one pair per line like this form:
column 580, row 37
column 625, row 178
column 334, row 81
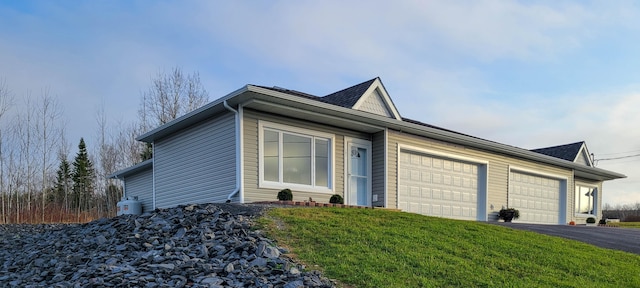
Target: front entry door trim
column 357, row 155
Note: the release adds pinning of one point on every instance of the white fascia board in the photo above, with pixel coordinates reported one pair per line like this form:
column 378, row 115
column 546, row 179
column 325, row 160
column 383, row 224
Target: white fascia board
column 434, row 133
column 191, row 117
column 318, row 117
column 144, row 165
column 364, row 117
column 511, row 151
column 323, row 108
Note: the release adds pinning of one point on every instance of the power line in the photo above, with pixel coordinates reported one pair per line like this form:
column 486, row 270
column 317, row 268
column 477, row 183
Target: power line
column 595, row 161
column 621, row 157
column 617, row 153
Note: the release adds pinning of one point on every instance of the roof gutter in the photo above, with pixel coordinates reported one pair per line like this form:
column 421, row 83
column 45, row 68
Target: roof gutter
column 238, row 159
column 188, row 119
column 443, row 135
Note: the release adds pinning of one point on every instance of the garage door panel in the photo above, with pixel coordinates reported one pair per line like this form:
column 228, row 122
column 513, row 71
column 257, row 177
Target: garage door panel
column 537, row 197
column 436, row 194
column 449, row 188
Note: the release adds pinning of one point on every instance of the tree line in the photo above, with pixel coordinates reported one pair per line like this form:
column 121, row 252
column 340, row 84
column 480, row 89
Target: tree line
column 43, row 181
column 624, row 212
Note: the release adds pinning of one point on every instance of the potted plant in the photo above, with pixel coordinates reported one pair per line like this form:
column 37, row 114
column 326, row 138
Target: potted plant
column 591, row 221
column 508, row 214
column 285, row 195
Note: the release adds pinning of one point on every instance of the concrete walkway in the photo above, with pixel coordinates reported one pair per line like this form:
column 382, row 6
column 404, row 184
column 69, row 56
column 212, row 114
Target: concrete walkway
column 625, row 239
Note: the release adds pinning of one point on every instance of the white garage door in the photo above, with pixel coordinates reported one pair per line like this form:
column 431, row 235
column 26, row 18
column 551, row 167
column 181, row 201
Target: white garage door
column 437, row 186
column 536, row 197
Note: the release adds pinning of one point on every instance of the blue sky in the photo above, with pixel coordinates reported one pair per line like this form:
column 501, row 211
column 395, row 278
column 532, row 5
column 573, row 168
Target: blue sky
column 525, row 73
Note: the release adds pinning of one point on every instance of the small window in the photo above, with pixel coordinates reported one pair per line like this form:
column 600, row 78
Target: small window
column 295, row 158
column 584, row 200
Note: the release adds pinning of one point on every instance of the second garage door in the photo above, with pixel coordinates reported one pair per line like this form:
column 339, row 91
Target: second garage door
column 440, row 186
column 538, row 198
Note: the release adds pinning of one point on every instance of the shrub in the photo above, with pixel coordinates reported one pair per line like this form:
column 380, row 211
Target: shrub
column 336, row 199
column 285, row 195
column 603, row 221
column 591, row 220
column 508, row 213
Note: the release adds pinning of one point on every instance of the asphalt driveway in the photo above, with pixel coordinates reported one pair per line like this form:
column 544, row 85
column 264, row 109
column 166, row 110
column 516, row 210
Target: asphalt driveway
column 624, row 239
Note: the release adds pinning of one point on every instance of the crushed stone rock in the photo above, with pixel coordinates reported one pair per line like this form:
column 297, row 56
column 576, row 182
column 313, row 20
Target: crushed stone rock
column 199, row 245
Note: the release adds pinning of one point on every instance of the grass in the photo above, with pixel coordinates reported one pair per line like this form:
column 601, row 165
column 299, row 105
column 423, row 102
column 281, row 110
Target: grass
column 381, row 248
column 625, row 224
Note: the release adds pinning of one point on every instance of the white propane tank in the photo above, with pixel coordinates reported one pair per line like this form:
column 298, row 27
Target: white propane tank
column 129, row 205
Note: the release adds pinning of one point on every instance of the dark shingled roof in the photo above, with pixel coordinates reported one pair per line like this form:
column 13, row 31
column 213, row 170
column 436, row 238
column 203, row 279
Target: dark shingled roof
column 290, row 92
column 567, row 152
column 344, row 98
column 349, row 96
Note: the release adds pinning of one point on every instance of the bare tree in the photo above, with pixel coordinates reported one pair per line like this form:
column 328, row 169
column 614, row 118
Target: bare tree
column 108, row 158
column 6, row 99
column 49, row 135
column 170, row 96
column 23, row 134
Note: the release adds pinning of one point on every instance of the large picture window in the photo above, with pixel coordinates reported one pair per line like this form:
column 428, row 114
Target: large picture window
column 294, row 158
column 585, row 199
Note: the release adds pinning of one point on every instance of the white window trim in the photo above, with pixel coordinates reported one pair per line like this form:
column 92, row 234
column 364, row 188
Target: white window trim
column 594, row 199
column 347, row 155
column 303, row 132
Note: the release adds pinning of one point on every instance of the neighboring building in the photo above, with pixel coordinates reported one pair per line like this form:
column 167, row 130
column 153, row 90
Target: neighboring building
column 248, row 145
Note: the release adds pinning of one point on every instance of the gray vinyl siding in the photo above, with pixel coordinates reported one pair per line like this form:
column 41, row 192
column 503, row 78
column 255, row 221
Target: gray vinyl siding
column 140, row 185
column 197, row 164
column 251, row 189
column 378, row 169
column 498, row 169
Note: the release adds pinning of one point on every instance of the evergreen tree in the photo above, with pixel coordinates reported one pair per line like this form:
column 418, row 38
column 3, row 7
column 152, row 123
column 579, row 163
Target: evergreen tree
column 147, row 152
column 83, row 177
column 63, row 183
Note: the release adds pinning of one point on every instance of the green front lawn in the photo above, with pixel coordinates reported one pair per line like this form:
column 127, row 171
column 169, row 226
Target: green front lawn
column 381, row 248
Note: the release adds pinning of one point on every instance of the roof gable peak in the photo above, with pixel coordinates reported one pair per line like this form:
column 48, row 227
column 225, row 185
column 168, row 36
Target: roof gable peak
column 575, row 152
column 369, row 96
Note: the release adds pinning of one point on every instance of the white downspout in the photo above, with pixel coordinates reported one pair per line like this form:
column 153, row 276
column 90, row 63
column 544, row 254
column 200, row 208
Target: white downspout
column 124, row 187
column 153, row 174
column 237, row 123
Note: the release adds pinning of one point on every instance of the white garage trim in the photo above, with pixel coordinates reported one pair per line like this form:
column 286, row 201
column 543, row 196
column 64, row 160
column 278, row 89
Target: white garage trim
column 562, row 189
column 482, row 174
column 441, row 154
column 538, row 173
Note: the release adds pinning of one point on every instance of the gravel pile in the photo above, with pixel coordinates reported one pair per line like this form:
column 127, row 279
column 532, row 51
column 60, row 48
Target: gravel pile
column 209, row 245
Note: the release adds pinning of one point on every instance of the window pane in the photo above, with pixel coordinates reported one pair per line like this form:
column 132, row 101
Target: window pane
column 296, row 159
column 322, row 163
column 271, row 143
column 583, row 200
